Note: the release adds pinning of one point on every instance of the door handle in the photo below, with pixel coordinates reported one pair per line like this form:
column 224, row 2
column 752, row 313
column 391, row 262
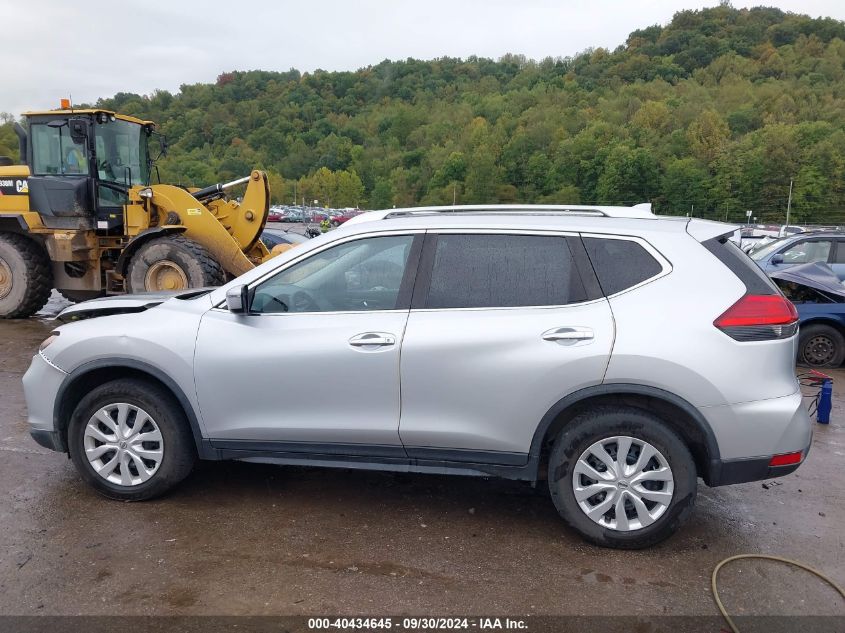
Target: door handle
column 372, row 338
column 569, row 334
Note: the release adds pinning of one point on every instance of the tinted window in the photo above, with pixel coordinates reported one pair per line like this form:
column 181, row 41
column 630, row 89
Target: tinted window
column 840, row 252
column 485, row 271
column 362, row 275
column 620, row 264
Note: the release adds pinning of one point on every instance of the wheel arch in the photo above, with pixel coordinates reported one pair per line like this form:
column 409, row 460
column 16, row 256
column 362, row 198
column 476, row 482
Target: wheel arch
column 89, row 375
column 824, row 320
column 139, row 240
column 680, row 415
column 13, row 223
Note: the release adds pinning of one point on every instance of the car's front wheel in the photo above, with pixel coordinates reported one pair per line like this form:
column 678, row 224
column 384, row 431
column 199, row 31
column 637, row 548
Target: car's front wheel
column 621, row 477
column 130, row 440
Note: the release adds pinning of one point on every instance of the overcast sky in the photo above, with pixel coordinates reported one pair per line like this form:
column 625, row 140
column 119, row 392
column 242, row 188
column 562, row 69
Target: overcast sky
column 55, row 48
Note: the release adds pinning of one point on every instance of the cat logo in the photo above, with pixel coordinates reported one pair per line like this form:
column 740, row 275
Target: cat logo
column 22, row 186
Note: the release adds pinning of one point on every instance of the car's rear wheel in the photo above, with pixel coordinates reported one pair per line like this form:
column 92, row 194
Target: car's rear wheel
column 821, row 345
column 621, row 477
column 130, row 440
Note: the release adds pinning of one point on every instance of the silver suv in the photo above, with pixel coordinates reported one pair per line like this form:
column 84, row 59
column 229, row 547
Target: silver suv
column 614, row 354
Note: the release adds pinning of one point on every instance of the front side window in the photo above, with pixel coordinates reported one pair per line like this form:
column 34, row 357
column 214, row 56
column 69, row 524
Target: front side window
column 55, row 153
column 496, row 271
column 807, row 251
column 365, row 274
column 122, row 155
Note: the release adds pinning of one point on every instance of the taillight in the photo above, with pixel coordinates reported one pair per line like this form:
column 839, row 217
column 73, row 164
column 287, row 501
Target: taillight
column 759, row 318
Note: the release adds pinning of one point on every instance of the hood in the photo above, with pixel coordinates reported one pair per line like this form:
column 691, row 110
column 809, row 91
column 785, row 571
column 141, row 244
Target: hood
column 124, row 304
column 816, row 275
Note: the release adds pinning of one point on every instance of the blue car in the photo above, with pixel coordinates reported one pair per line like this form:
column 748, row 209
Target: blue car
column 827, row 247
column 819, row 296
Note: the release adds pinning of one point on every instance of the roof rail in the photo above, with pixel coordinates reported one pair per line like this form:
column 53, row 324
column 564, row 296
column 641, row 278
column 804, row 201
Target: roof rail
column 637, row 211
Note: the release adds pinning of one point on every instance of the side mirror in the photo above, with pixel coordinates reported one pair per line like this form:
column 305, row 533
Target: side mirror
column 777, row 258
column 78, row 130
column 237, row 299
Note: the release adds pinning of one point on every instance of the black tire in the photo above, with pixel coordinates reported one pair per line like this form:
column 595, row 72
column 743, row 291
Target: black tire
column 179, row 452
column 607, row 422
column 196, row 264
column 26, row 278
column 80, row 295
column 821, row 345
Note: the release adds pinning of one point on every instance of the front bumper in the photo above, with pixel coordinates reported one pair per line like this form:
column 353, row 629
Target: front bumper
column 49, row 439
column 41, row 384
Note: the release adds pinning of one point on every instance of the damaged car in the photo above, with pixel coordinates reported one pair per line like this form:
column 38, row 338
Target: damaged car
column 819, row 297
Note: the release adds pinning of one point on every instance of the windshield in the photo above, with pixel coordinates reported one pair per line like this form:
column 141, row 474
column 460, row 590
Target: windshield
column 757, row 255
column 122, row 155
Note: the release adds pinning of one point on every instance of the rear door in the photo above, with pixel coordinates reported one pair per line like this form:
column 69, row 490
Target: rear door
column 502, row 326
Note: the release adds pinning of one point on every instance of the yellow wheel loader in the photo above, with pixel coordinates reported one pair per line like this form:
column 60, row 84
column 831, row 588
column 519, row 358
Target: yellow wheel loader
column 81, row 216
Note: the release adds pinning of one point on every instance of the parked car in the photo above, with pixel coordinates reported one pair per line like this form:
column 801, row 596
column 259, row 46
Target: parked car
column 345, row 215
column 274, row 237
column 804, row 248
column 274, row 215
column 615, row 355
column 789, row 229
column 819, row 296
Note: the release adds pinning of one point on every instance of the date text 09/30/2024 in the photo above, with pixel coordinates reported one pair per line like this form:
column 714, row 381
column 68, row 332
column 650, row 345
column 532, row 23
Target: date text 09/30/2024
column 418, row 623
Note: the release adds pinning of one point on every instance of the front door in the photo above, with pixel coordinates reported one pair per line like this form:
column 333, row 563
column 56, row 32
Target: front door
column 314, row 366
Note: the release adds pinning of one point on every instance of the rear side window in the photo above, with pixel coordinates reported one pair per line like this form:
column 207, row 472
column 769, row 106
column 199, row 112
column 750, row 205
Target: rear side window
column 756, row 281
column 493, row 271
column 620, row 264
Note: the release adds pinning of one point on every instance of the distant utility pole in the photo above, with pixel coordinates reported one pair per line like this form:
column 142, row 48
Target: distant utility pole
column 789, row 202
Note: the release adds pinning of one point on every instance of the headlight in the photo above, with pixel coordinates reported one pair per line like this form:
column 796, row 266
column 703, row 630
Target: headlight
column 47, row 341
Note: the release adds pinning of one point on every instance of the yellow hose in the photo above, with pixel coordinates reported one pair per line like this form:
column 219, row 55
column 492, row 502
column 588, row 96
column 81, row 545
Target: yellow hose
column 718, row 600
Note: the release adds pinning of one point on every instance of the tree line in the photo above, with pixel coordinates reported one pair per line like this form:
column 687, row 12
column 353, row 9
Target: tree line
column 712, row 114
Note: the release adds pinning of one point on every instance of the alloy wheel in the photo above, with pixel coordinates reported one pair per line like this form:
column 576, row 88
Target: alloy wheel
column 123, row 444
column 623, row 483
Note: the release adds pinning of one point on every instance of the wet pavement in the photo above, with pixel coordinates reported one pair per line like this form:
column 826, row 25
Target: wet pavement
column 253, row 539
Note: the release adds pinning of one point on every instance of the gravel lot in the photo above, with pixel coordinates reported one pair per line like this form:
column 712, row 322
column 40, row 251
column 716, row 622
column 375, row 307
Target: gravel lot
column 253, row 539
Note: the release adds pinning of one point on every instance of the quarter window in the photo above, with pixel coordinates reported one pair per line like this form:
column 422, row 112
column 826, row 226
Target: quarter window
column 491, row 271
column 365, row 274
column 620, row 264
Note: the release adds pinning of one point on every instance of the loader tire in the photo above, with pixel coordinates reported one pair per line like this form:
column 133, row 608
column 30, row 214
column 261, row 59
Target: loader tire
column 77, row 296
column 172, row 262
column 26, row 278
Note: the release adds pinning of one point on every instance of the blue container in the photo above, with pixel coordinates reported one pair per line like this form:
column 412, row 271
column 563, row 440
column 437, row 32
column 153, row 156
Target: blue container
column 825, row 402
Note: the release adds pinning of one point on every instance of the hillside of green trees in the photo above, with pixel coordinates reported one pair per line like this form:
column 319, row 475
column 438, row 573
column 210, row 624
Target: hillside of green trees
column 711, row 114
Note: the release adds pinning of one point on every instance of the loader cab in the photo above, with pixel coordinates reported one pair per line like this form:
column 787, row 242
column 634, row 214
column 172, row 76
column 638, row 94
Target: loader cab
column 83, row 163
